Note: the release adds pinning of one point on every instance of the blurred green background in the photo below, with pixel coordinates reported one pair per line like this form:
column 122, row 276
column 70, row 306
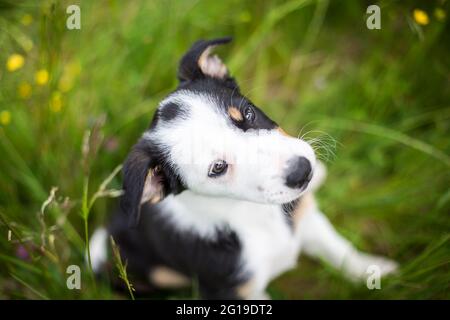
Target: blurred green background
column 376, row 103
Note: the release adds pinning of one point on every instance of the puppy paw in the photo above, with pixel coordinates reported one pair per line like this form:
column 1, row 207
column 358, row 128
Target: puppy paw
column 358, row 266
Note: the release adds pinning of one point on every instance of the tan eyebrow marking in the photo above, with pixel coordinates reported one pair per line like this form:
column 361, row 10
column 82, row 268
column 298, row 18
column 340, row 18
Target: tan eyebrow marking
column 284, row 133
column 235, row 114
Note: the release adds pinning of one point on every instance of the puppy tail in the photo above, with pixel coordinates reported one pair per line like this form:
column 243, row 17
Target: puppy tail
column 98, row 246
column 320, row 174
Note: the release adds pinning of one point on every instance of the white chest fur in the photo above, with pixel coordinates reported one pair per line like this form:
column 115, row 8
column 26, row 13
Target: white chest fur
column 269, row 244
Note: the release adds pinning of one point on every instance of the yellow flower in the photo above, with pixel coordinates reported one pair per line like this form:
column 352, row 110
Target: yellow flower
column 41, row 77
column 56, row 102
column 440, row 14
column 27, row 19
column 24, row 90
column 421, row 17
column 15, row 62
column 5, row 117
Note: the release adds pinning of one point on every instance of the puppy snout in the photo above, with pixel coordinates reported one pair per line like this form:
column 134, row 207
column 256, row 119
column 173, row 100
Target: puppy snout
column 299, row 172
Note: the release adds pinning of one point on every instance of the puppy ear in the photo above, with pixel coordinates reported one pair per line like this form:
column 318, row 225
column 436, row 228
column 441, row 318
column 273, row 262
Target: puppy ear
column 198, row 63
column 143, row 180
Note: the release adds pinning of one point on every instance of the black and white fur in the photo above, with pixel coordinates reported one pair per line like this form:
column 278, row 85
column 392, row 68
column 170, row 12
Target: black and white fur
column 234, row 231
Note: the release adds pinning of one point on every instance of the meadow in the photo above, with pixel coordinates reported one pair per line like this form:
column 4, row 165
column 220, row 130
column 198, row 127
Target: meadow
column 375, row 103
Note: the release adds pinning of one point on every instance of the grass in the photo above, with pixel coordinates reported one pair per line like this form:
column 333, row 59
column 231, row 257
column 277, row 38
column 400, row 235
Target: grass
column 374, row 102
column 122, row 269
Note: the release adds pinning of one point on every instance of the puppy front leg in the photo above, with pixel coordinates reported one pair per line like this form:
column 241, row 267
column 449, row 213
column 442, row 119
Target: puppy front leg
column 320, row 240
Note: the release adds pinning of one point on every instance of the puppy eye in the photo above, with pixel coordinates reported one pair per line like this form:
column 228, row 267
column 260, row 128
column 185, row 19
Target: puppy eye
column 249, row 114
column 217, row 168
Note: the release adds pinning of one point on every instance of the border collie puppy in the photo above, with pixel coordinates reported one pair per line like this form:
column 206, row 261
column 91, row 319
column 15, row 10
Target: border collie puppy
column 216, row 191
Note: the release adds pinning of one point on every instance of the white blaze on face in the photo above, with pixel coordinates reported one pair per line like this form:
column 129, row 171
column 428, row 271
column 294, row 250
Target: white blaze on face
column 257, row 159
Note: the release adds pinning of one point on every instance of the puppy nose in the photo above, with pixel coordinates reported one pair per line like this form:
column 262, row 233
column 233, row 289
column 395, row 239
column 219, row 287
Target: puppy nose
column 299, row 172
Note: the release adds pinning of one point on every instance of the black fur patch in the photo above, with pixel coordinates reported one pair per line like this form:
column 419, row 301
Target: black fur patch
column 215, row 263
column 261, row 121
column 171, row 111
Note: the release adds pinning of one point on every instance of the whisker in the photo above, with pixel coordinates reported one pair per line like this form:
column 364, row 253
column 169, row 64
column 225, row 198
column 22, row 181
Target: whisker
column 323, row 144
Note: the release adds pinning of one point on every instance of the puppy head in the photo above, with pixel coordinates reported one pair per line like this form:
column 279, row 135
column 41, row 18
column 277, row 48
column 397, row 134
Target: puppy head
column 207, row 137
